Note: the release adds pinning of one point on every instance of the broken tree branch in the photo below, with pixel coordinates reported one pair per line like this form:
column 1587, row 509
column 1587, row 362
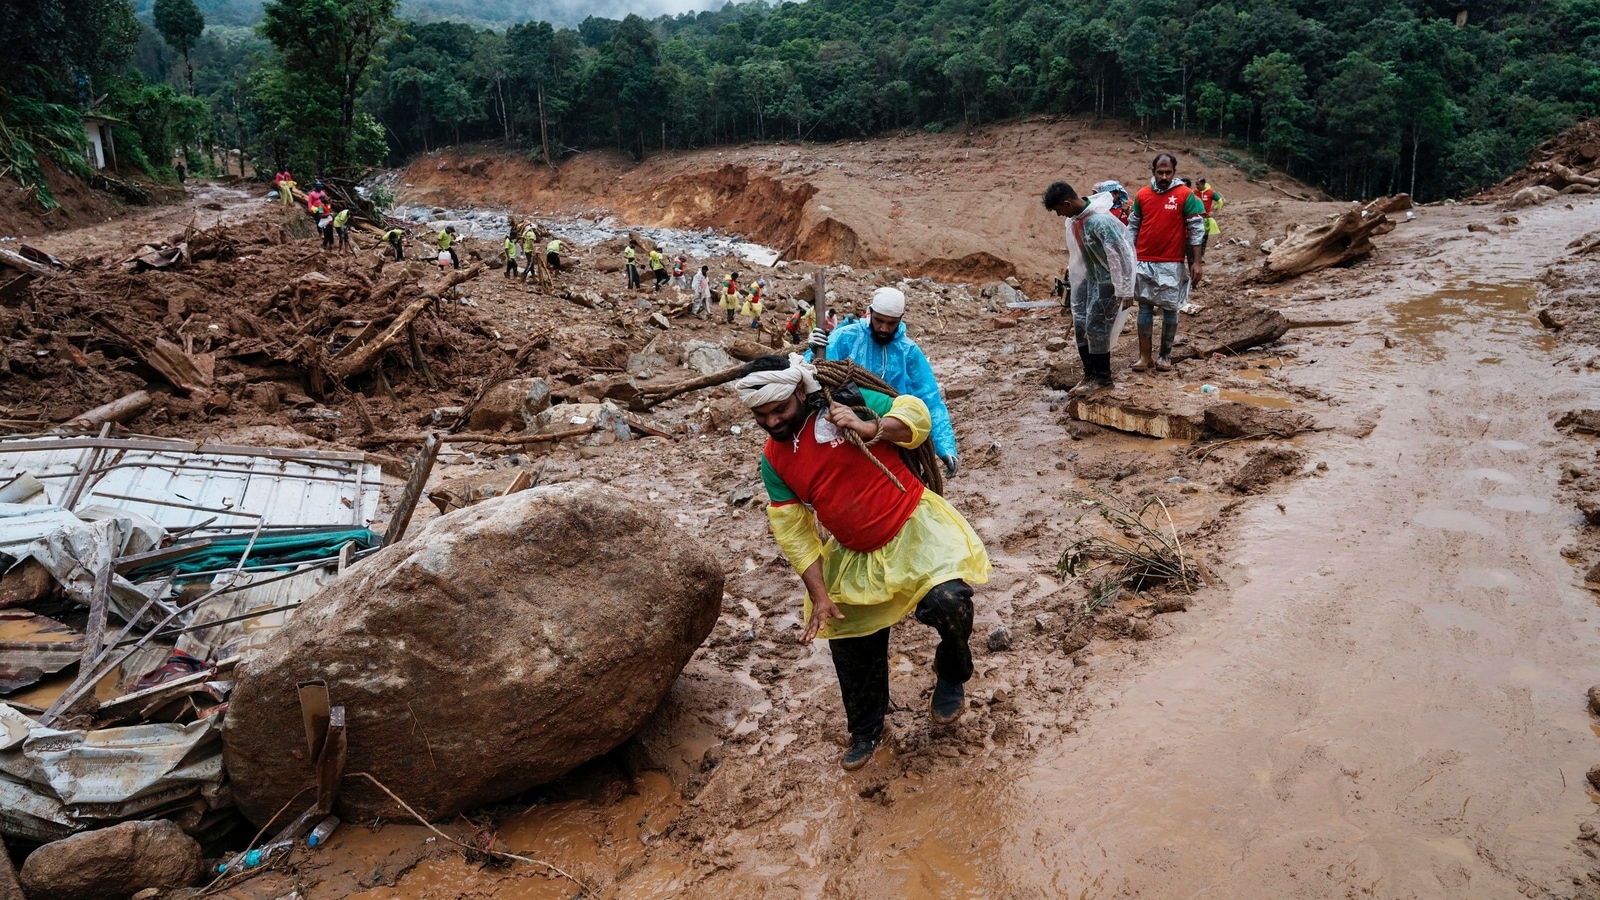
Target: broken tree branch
column 369, row 354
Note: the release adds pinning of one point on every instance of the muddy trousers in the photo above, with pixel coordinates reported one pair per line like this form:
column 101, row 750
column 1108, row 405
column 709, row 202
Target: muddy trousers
column 633, row 275
column 511, row 267
column 1169, row 326
column 862, row 663
column 1094, row 311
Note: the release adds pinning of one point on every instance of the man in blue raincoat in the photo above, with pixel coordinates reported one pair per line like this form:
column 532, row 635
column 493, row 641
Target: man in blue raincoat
column 879, row 344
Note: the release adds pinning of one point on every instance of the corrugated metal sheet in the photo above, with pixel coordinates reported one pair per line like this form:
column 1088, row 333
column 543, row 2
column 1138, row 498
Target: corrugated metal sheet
column 231, row 638
column 181, row 484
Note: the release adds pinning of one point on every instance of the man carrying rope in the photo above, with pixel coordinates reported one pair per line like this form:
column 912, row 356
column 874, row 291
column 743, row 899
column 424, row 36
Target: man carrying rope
column 896, row 547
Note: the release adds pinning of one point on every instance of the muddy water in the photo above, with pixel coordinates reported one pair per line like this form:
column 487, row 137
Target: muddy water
column 1388, row 701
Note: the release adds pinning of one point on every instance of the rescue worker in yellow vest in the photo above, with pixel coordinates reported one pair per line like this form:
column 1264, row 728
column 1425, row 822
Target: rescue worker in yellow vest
column 632, row 268
column 341, row 224
column 510, row 248
column 447, row 240
column 552, row 254
column 530, row 243
column 393, row 237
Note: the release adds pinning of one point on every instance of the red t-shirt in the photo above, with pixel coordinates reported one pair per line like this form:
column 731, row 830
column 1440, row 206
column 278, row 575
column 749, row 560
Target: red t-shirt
column 862, row 509
column 1162, row 232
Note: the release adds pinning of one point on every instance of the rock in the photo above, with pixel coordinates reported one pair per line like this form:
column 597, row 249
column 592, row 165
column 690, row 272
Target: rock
column 1548, row 320
column 723, row 413
column 514, row 404
column 1244, row 327
column 1077, row 638
column 706, row 358
column 999, row 639
column 1479, row 227
column 566, row 416
column 1594, row 699
column 1241, row 419
column 490, row 652
column 660, row 320
column 1011, row 281
column 1157, row 412
column 114, row 863
column 646, row 362
column 1001, row 322
column 1141, row 630
column 1056, row 344
column 1046, row 621
column 1594, row 777
column 1533, row 195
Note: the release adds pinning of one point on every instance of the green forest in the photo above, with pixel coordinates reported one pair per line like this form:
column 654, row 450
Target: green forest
column 1359, row 97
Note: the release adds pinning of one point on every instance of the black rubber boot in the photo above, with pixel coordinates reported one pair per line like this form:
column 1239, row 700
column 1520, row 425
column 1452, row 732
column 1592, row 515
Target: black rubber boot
column 859, row 754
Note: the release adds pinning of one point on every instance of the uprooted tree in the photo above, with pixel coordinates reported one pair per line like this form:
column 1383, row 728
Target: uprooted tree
column 1345, row 239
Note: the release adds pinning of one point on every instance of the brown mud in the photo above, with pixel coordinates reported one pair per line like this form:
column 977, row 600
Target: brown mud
column 1377, row 691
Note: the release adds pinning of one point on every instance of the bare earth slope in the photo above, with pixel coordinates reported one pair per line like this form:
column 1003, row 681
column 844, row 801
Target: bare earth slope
column 950, row 206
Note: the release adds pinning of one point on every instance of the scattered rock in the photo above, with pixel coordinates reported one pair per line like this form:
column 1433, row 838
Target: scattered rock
column 1594, row 699
column 646, row 362
column 1548, row 320
column 999, row 639
column 1480, row 228
column 494, row 650
column 1594, row 777
column 513, row 404
column 1056, row 344
column 1142, row 630
column 114, row 863
column 567, row 416
column 1590, row 507
column 1047, row 621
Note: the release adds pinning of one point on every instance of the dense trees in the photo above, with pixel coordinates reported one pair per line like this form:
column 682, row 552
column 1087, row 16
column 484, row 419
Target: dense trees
column 1363, row 97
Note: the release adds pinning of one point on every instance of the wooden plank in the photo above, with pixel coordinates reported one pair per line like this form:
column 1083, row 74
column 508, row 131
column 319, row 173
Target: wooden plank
column 413, row 492
column 136, row 560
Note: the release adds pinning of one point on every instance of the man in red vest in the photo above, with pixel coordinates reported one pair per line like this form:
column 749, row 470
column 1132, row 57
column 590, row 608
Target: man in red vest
column 1168, row 225
column 1213, row 202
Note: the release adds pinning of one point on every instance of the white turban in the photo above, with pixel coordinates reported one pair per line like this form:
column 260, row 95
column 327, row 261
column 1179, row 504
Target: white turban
column 888, row 301
column 761, row 388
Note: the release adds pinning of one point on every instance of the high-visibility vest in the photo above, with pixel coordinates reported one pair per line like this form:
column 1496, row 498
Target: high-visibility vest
column 627, row 254
column 511, row 249
column 445, row 238
column 340, row 219
column 553, row 247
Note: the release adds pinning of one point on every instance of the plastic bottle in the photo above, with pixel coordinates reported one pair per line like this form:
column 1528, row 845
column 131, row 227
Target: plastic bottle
column 258, row 856
column 1208, row 389
column 321, row 833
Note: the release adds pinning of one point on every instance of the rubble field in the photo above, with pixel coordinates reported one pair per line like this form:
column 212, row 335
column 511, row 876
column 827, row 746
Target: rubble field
column 354, row 399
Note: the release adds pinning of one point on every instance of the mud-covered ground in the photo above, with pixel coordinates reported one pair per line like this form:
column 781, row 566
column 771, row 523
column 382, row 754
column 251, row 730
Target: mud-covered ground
column 1375, row 687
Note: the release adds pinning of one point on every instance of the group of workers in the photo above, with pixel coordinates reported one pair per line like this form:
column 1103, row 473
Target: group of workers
column 1148, row 251
column 331, row 224
column 895, row 548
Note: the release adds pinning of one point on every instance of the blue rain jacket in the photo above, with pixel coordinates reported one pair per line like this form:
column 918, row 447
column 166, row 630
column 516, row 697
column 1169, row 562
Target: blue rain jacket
column 903, row 365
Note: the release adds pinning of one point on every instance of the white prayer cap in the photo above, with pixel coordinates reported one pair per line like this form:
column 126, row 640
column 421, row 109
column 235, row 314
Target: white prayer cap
column 888, row 301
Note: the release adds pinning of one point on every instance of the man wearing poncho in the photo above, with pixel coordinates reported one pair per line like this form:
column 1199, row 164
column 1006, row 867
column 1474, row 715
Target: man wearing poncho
column 893, row 551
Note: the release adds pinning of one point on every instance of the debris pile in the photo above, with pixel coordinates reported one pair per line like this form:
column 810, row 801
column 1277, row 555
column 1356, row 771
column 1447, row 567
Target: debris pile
column 1568, row 163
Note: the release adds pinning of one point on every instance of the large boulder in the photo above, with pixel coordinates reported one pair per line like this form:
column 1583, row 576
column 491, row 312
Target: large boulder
column 113, row 863
column 490, row 652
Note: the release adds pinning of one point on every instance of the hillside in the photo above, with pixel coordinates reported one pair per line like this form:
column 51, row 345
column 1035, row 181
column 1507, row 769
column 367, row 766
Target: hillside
column 947, row 206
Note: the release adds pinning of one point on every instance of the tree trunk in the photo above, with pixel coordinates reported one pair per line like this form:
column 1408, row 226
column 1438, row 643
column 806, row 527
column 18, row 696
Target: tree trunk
column 544, row 129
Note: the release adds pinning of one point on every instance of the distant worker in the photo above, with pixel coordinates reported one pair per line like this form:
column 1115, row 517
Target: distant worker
column 702, row 292
column 530, row 245
column 286, row 190
column 341, row 224
column 658, row 268
column 879, row 344
column 1213, row 202
column 177, row 168
column 1167, row 225
column 325, row 227
column 1120, row 204
column 317, row 200
column 753, row 304
column 511, row 247
column 393, row 237
column 630, row 265
column 730, row 295
column 801, row 324
column 1100, row 279
column 679, row 275
column 896, row 548
column 552, row 254
column 447, row 244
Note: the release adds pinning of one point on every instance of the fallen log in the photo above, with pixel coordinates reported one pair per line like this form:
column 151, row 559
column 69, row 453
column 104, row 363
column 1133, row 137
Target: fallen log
column 647, row 400
column 21, row 263
column 1311, row 248
column 368, row 355
column 119, row 410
